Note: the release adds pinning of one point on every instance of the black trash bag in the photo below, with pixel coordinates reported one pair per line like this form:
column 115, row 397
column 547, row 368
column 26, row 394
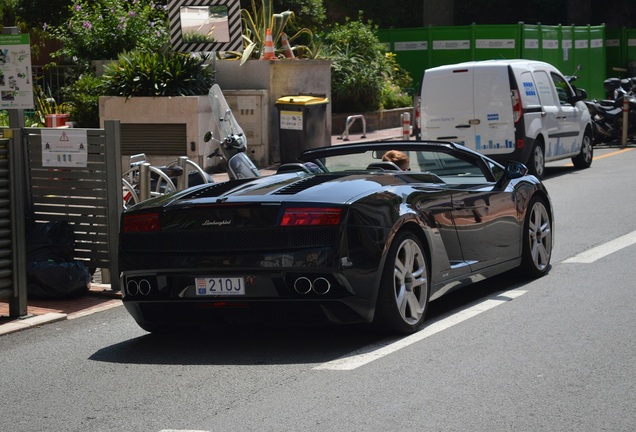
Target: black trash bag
column 50, row 241
column 50, row 279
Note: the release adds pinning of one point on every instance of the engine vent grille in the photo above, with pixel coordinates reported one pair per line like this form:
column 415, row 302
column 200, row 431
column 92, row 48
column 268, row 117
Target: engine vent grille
column 305, row 184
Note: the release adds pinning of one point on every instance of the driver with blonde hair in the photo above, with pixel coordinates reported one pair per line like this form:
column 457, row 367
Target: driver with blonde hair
column 398, row 158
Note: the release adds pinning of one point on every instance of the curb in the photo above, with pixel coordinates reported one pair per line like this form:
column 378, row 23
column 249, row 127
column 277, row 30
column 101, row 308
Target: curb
column 31, row 321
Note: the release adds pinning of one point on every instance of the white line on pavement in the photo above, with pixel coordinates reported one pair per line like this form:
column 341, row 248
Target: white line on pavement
column 373, row 352
column 603, row 250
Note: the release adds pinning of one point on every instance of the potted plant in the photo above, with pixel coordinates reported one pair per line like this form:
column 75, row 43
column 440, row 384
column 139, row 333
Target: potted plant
column 48, row 112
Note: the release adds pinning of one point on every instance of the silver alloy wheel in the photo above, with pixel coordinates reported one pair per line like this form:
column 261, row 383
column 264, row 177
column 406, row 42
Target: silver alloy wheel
column 410, row 281
column 587, row 150
column 540, row 236
column 538, row 161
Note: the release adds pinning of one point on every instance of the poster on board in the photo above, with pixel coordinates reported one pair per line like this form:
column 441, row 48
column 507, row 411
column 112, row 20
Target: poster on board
column 16, row 81
column 64, row 148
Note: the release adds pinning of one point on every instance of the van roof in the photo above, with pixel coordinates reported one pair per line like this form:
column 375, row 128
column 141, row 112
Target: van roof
column 522, row 63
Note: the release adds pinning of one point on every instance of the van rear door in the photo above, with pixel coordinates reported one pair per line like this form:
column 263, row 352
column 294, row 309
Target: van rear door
column 471, row 105
column 494, row 120
column 446, row 105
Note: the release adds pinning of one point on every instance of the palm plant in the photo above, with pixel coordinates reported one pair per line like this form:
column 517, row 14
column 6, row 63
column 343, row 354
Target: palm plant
column 256, row 23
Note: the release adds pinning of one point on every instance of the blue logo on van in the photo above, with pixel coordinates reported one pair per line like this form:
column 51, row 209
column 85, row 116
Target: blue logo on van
column 529, row 89
column 493, row 117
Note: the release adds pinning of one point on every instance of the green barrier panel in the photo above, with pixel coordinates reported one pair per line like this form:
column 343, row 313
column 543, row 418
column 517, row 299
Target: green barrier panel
column 565, row 47
column 450, row 45
column 629, row 61
column 496, row 41
column 531, row 42
column 598, row 59
column 614, row 52
column 567, row 63
column 550, row 51
column 411, row 49
column 589, row 53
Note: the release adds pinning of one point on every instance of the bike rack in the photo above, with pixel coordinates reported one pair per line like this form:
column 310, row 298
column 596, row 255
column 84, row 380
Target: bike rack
column 350, row 120
column 144, row 181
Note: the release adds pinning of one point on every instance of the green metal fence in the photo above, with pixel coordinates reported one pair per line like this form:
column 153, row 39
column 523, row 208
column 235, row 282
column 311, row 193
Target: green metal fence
column 565, row 47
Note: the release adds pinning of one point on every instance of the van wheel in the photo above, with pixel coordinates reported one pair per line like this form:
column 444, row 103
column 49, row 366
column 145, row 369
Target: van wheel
column 536, row 163
column 584, row 159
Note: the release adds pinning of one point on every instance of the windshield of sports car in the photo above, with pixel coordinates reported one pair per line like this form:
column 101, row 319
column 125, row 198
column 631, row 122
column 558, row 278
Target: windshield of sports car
column 449, row 167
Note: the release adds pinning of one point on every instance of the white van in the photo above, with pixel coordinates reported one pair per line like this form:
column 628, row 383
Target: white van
column 523, row 110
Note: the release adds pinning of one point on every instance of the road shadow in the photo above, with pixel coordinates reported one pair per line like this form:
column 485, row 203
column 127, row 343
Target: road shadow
column 282, row 344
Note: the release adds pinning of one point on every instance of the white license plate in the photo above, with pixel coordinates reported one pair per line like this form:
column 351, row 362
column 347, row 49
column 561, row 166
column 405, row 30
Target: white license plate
column 220, row 286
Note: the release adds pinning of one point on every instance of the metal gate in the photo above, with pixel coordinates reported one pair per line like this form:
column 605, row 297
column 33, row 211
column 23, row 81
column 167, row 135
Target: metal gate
column 88, row 198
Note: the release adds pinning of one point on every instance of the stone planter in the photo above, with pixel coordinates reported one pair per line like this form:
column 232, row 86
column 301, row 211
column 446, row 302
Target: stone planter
column 162, row 127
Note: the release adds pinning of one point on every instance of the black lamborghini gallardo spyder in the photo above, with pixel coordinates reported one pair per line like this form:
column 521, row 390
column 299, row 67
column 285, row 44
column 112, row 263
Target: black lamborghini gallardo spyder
column 341, row 236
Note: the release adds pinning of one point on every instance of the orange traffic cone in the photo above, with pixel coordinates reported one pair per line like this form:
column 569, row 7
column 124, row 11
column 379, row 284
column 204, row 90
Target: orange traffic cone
column 286, row 47
column 269, row 53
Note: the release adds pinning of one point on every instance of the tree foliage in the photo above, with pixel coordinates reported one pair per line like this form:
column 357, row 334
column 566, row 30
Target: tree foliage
column 102, row 29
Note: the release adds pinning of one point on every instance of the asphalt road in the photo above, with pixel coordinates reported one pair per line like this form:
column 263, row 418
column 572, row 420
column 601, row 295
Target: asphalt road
column 555, row 354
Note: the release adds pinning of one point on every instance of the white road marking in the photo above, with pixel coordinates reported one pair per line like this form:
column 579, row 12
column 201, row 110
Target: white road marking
column 603, row 250
column 373, row 352
column 181, row 430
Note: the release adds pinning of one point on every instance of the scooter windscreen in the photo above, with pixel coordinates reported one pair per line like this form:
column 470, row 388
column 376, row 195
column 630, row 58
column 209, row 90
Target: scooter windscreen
column 225, row 121
column 240, row 166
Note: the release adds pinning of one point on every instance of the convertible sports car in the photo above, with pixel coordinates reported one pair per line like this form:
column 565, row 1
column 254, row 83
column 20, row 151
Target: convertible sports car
column 341, row 235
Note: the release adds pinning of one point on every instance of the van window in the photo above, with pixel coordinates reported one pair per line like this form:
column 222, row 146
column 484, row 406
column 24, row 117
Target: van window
column 544, row 87
column 529, row 93
column 562, row 88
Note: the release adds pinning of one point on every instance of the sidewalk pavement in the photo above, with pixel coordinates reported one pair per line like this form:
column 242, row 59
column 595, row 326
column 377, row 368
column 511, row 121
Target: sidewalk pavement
column 100, row 297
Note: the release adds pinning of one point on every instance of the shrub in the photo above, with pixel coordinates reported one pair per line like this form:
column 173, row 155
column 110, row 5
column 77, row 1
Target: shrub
column 398, row 88
column 161, row 73
column 363, row 76
column 101, row 29
column 359, row 67
column 83, row 97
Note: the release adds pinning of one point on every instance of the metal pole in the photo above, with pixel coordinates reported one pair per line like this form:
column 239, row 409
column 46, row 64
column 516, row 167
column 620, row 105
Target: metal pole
column 18, row 303
column 406, row 126
column 625, row 121
column 182, row 181
column 144, row 181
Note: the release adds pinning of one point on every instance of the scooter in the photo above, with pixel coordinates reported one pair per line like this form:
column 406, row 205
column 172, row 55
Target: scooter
column 233, row 146
column 607, row 114
column 607, row 117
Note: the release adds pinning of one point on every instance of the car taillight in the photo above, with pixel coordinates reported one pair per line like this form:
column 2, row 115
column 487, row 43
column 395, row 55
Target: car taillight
column 517, row 109
column 141, row 223
column 311, row 216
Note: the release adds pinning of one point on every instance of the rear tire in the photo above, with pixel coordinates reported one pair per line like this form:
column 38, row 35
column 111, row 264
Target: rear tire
column 537, row 239
column 584, row 159
column 404, row 289
column 536, row 162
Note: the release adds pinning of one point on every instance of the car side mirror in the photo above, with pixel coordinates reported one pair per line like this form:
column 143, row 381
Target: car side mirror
column 580, row 95
column 515, row 170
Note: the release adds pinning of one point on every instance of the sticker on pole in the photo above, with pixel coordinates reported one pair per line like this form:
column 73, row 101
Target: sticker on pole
column 64, row 148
